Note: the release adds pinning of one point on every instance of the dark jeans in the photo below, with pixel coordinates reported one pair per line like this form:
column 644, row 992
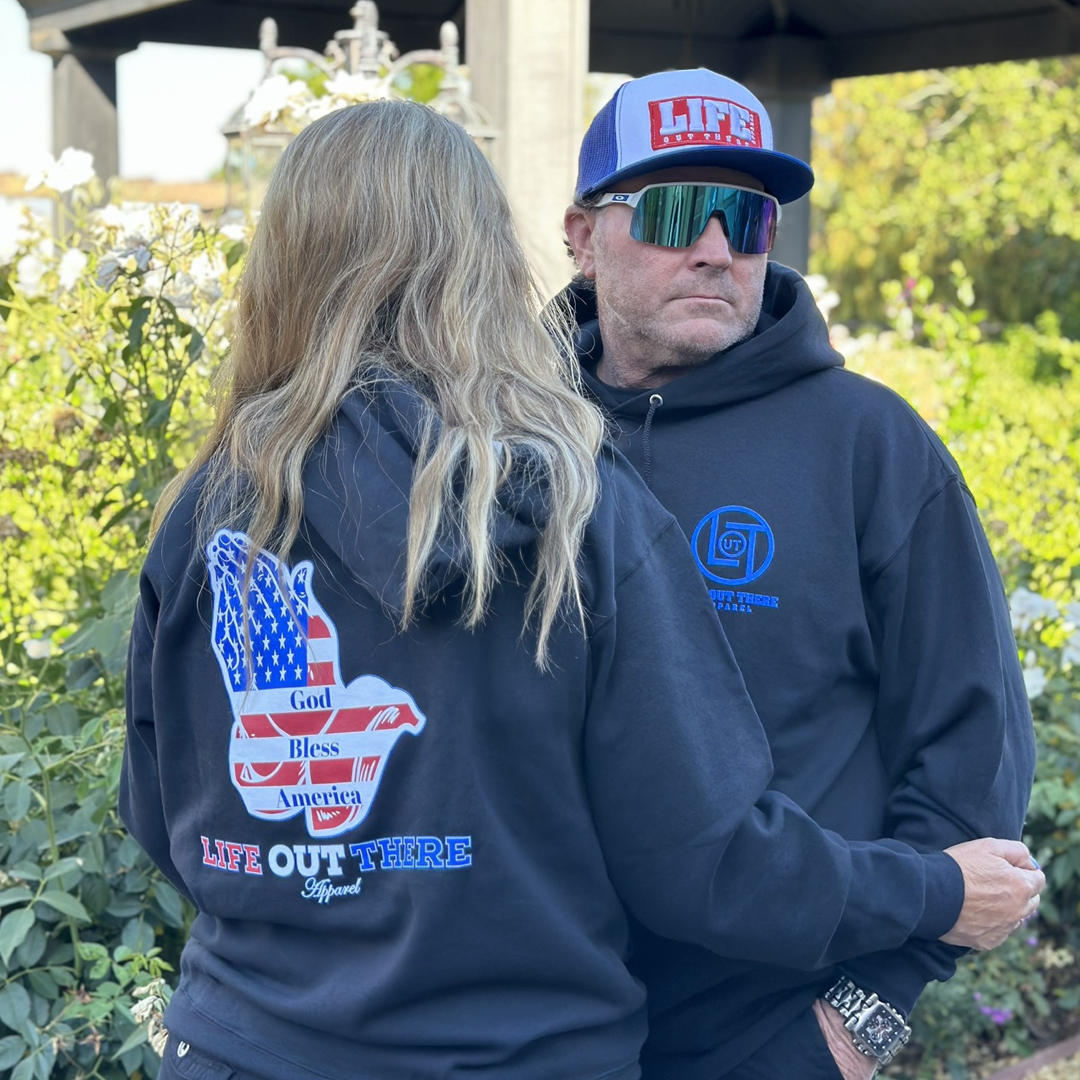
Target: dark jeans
column 796, row 1052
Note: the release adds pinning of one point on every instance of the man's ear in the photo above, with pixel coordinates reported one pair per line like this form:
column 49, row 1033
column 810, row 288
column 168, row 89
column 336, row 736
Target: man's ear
column 579, row 224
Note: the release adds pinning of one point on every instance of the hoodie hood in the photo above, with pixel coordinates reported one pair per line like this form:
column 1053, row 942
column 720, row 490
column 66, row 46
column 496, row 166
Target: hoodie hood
column 357, row 483
column 791, row 340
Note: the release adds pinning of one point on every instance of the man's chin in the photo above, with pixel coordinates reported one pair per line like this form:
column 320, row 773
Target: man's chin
column 694, row 349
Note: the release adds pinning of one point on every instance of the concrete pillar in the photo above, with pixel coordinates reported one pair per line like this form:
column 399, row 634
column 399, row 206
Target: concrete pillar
column 528, row 63
column 787, row 73
column 84, row 98
column 84, row 109
column 790, row 115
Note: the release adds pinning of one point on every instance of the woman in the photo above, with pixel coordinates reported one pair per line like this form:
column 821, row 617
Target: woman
column 396, row 724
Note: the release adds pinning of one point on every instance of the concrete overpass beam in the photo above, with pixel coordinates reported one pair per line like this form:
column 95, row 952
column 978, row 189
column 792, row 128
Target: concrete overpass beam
column 528, row 63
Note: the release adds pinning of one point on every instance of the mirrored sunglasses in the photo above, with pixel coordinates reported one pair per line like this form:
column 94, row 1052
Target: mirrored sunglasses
column 675, row 215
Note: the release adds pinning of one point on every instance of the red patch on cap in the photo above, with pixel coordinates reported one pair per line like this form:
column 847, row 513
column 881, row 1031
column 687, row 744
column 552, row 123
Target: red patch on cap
column 702, row 121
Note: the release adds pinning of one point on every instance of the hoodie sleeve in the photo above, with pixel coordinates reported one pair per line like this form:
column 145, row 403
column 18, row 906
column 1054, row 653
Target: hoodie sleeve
column 141, row 808
column 952, row 716
column 678, row 765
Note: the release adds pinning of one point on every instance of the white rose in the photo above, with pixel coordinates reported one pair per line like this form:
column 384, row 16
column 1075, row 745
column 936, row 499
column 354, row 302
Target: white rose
column 1071, row 653
column 1034, row 682
column 355, row 87
column 72, row 264
column 1027, row 607
column 272, row 97
column 29, row 271
column 14, row 231
column 207, row 269
column 38, row 648
column 72, row 169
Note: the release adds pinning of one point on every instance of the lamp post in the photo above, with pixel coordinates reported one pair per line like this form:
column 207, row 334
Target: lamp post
column 360, row 63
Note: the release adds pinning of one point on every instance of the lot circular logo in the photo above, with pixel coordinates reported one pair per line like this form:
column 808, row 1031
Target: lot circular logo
column 733, row 545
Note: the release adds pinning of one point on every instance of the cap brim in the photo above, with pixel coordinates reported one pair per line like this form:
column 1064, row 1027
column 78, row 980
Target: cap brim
column 785, row 177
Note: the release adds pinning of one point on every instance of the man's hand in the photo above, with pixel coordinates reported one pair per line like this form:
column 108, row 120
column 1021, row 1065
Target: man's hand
column 852, row 1064
column 1002, row 884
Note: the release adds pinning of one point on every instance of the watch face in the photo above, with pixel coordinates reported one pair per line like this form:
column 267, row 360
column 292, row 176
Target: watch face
column 880, row 1030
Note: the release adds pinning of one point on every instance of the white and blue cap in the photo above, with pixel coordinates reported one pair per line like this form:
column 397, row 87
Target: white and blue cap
column 686, row 118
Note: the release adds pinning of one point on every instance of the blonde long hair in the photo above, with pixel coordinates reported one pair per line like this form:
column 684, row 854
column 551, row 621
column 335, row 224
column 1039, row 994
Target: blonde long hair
column 386, row 244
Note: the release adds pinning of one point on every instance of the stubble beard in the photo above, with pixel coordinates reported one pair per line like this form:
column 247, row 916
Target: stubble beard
column 658, row 345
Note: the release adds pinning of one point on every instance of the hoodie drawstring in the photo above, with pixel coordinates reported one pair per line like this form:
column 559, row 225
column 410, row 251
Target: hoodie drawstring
column 655, row 401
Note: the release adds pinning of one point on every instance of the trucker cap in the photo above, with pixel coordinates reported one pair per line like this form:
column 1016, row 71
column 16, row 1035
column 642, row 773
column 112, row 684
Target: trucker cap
column 693, row 117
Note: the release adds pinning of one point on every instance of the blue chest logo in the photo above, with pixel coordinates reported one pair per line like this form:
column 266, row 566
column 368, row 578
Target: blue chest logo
column 733, row 545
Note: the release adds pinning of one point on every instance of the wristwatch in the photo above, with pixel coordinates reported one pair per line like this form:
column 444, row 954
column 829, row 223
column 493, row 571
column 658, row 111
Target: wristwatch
column 877, row 1029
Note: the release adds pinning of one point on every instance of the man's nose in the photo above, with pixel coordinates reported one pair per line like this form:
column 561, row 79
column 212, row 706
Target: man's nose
column 712, row 248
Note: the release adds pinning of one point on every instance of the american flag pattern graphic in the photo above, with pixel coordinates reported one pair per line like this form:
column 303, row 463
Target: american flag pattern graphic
column 301, row 741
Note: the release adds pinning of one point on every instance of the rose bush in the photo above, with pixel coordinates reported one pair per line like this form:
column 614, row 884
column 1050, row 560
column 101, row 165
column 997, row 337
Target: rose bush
column 107, row 342
column 1008, row 407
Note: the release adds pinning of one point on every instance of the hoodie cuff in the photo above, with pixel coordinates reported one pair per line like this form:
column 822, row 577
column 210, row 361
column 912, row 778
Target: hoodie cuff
column 900, row 976
column 944, row 896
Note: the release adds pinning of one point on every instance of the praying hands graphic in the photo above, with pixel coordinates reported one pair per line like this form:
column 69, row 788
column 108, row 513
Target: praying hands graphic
column 302, row 742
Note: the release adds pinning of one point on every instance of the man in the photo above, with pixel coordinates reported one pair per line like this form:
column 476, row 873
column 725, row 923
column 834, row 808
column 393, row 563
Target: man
column 836, row 536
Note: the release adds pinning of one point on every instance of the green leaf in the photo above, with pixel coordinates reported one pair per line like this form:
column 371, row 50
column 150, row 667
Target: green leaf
column 62, row 718
column 158, row 413
column 137, row 1037
column 65, row 904
column 17, row 797
column 121, row 591
column 13, row 929
column 26, row 871
column 12, row 1049
column 123, row 907
column 132, row 1060
column 81, row 673
column 44, row 984
column 108, row 417
column 126, row 509
column 95, row 893
column 14, row 1005
column 32, row 948
column 138, row 935
column 24, row 1070
column 234, row 252
column 169, row 902
column 43, row 1065
column 17, row 894
column 97, row 955
column 63, row 866
column 92, row 950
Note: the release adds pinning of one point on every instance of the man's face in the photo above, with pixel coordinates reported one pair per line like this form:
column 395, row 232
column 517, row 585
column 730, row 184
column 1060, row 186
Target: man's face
column 663, row 310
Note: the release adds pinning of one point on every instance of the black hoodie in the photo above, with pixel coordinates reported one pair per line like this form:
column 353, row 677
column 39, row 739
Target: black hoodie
column 411, row 852
column 845, row 559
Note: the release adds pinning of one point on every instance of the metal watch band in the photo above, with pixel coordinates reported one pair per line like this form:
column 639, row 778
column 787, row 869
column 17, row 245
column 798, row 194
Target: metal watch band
column 877, row 1029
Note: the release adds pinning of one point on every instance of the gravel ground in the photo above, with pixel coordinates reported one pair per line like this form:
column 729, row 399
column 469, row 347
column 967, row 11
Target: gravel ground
column 1062, row 1070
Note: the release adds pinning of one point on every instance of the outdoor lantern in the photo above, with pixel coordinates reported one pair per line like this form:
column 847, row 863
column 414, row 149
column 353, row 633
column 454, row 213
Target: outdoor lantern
column 360, row 64
column 250, row 157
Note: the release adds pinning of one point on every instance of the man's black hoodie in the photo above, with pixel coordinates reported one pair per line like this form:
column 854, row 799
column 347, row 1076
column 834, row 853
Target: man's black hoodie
column 410, row 852
column 847, row 565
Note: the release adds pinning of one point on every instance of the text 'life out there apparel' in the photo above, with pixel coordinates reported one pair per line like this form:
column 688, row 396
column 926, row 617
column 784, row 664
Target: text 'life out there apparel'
column 411, row 852
column 844, row 557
